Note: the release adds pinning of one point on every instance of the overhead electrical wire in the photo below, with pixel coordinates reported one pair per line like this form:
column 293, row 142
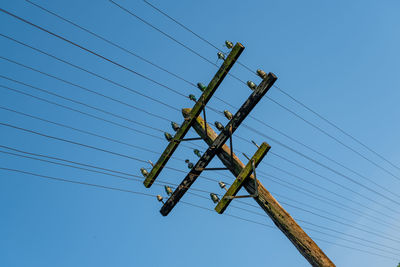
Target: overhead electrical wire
column 43, row 52
column 161, row 138
column 328, row 168
column 112, row 139
column 274, row 101
column 82, row 103
column 161, row 183
column 277, row 87
column 87, row 71
column 145, row 194
column 92, row 52
column 177, row 76
column 245, row 125
column 135, row 146
column 79, row 111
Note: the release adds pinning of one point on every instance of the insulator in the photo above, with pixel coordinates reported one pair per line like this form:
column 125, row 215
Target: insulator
column 190, row 165
column 175, row 126
column 261, row 73
column 192, row 97
column 160, row 198
column 228, row 115
column 221, row 56
column 222, row 185
column 229, row 44
column 168, row 190
column 219, row 125
column 168, row 136
column 214, row 197
column 251, row 85
column 201, row 86
column 144, row 172
column 197, row 152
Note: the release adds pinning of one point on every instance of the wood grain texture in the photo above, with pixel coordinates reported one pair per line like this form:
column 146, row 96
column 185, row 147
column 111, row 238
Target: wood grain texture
column 198, row 107
column 282, row 219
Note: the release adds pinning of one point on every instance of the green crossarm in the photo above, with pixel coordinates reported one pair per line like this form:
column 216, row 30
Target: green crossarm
column 242, row 177
column 198, row 107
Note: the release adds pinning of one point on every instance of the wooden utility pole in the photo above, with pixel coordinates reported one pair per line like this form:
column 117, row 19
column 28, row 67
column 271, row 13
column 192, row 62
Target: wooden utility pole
column 282, row 219
column 219, row 141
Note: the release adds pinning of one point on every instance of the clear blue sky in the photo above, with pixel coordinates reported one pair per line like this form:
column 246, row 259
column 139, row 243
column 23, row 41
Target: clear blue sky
column 341, row 58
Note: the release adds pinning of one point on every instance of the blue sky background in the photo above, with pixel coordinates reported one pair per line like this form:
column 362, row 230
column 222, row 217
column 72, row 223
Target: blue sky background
column 340, row 58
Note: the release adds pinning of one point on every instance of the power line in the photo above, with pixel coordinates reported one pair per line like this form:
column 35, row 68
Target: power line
column 123, row 49
column 274, row 101
column 62, row 125
column 329, row 168
column 53, row 34
column 72, row 142
column 338, row 128
column 329, row 201
column 129, row 51
column 179, row 77
column 161, row 184
column 277, row 87
column 88, row 146
column 82, row 104
column 91, row 52
column 80, row 68
column 84, row 131
column 140, row 193
column 78, row 111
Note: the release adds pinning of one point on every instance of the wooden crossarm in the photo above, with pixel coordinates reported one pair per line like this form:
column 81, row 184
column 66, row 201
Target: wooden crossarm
column 242, row 177
column 198, row 107
column 229, row 129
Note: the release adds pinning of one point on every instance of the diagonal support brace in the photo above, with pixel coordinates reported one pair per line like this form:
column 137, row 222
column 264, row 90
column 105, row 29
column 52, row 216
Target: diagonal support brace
column 242, row 177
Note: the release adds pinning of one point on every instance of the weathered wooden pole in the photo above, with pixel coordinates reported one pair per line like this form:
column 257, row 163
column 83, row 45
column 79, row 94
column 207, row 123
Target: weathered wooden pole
column 219, row 141
column 282, row 219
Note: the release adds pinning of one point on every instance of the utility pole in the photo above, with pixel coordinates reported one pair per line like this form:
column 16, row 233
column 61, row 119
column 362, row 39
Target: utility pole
column 282, row 219
column 245, row 174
